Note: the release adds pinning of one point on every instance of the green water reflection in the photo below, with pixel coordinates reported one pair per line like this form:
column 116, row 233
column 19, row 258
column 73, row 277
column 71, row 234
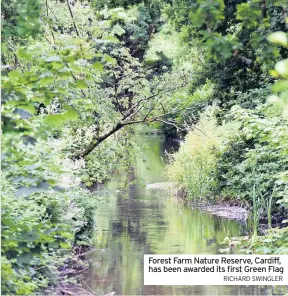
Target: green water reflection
column 134, row 221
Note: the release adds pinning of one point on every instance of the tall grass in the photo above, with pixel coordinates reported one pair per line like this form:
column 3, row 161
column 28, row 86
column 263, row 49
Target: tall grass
column 261, row 205
column 256, row 211
column 193, row 167
column 268, row 204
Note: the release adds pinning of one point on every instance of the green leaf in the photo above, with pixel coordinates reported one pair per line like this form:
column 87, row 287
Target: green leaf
column 280, row 85
column 111, row 39
column 54, row 119
column 51, row 182
column 66, row 234
column 110, row 59
column 28, row 108
column 278, row 38
column 46, row 80
column 71, row 85
column 98, row 66
column 88, row 56
column 23, row 53
column 57, row 65
column 81, row 83
column 282, row 68
column 53, row 59
column 64, row 74
column 65, row 245
column 14, row 74
column 71, row 114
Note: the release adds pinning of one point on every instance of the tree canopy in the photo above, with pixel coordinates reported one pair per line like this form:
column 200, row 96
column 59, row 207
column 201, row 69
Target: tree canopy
column 81, row 78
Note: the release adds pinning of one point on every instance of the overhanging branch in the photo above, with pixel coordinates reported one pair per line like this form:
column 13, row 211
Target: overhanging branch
column 96, row 141
column 127, row 119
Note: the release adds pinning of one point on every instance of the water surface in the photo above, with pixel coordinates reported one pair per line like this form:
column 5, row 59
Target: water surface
column 134, row 221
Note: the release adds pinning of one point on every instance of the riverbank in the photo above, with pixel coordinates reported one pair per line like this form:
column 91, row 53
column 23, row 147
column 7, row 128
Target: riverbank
column 134, row 221
column 271, row 241
column 227, row 209
column 222, row 209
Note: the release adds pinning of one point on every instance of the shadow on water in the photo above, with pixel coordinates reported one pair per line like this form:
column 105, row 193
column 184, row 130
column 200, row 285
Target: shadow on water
column 134, row 221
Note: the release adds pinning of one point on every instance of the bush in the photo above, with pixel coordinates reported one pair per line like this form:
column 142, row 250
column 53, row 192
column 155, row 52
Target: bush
column 255, row 156
column 27, row 236
column 39, row 219
column 193, row 167
column 252, row 98
column 243, row 159
column 274, row 242
column 196, row 102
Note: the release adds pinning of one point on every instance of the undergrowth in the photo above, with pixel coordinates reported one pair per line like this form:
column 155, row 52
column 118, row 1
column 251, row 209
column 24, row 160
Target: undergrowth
column 194, row 167
column 44, row 214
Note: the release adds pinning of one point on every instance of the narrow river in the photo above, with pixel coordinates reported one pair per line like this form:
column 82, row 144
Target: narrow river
column 134, row 221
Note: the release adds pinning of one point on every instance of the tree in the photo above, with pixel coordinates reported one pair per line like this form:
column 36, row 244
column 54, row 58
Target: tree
column 234, row 37
column 53, row 82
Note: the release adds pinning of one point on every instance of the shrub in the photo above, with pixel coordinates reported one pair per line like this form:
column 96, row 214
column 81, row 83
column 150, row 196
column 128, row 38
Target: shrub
column 274, row 242
column 254, row 157
column 193, row 167
column 39, row 219
column 27, row 235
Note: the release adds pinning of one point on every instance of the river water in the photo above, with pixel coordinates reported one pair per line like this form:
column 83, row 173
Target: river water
column 134, row 221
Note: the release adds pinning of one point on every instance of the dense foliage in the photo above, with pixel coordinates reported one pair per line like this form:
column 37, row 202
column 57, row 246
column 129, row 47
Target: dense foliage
column 78, row 76
column 42, row 212
column 75, row 82
column 73, row 78
column 273, row 242
column 241, row 43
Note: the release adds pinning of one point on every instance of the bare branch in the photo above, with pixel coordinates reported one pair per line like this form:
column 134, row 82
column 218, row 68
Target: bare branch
column 128, row 112
column 285, row 16
column 150, row 110
column 96, row 141
column 47, row 14
column 72, row 16
column 161, row 91
column 127, row 119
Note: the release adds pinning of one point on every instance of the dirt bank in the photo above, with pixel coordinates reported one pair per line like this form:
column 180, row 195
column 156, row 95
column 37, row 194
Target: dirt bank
column 221, row 209
column 225, row 210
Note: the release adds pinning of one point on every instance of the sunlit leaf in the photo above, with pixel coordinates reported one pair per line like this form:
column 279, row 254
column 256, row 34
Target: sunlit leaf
column 98, row 66
column 65, row 245
column 29, row 108
column 282, row 68
column 70, row 114
column 278, row 38
column 14, row 74
column 22, row 52
column 280, row 85
column 46, row 80
column 53, row 59
column 81, row 84
column 110, row 59
column 54, row 119
column 112, row 39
